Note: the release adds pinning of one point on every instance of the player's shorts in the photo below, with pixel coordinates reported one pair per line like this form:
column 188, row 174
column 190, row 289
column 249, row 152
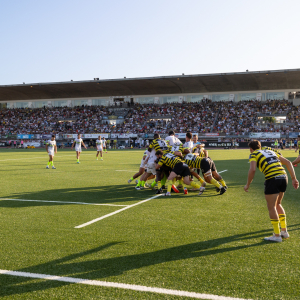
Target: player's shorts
column 182, row 170
column 207, row 164
column 78, row 149
column 151, row 168
column 276, row 185
column 99, row 148
column 143, row 164
column 51, row 153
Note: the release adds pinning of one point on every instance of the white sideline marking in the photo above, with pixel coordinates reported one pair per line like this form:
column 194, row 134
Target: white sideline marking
column 222, row 171
column 64, row 202
column 125, row 286
column 116, row 212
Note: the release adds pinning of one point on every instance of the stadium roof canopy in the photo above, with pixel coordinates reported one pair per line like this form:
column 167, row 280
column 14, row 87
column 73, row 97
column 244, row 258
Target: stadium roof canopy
column 183, row 84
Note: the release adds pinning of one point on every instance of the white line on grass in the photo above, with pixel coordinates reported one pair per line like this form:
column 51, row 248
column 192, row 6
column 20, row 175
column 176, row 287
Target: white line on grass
column 125, row 286
column 64, row 202
column 116, row 212
column 222, row 171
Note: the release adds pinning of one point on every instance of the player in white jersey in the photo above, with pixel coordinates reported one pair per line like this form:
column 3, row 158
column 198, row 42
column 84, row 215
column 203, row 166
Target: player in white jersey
column 99, row 144
column 51, row 148
column 104, row 145
column 142, row 166
column 78, row 142
column 172, row 139
column 188, row 142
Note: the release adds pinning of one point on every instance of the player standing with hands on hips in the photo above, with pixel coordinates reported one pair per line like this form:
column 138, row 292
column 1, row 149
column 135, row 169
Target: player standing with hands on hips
column 78, row 142
column 270, row 164
column 51, row 148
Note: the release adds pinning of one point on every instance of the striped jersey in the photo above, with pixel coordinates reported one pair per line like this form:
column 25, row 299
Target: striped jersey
column 158, row 144
column 272, row 149
column 268, row 163
column 174, row 148
column 170, row 160
column 199, row 150
column 193, row 161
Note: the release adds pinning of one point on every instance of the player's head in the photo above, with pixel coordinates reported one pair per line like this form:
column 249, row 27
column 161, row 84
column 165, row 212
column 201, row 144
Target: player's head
column 254, row 145
column 156, row 136
column 52, row 137
column 186, row 151
column 159, row 153
column 99, row 137
column 195, row 138
column 188, row 136
column 171, row 132
column 79, row 135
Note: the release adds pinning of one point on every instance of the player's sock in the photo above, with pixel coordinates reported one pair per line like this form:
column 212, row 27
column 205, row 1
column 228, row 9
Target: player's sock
column 77, row 159
column 142, row 183
column 180, row 182
column 201, row 180
column 48, row 163
column 163, row 181
column 139, row 183
column 222, row 182
column 282, row 220
column 153, row 184
column 275, row 224
column 174, row 181
column 131, row 178
column 195, row 185
column 215, row 183
column 169, row 186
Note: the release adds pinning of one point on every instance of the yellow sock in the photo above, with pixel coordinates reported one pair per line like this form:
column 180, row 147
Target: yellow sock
column 51, row 163
column 180, row 181
column 222, row 182
column 282, row 220
column 195, row 185
column 169, row 185
column 174, row 181
column 215, row 183
column 159, row 184
column 201, row 180
column 48, row 163
column 275, row 224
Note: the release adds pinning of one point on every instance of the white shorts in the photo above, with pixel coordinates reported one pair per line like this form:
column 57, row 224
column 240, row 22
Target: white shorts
column 151, row 168
column 51, row 153
column 99, row 149
column 78, row 149
column 143, row 164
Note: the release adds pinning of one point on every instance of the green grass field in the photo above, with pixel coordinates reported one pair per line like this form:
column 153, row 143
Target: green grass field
column 207, row 244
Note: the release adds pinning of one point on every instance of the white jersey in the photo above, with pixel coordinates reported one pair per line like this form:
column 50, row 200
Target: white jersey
column 51, row 147
column 189, row 145
column 99, row 144
column 143, row 161
column 78, row 144
column 104, row 143
column 172, row 140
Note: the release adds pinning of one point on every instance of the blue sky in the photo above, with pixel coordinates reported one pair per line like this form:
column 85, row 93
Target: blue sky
column 79, row 40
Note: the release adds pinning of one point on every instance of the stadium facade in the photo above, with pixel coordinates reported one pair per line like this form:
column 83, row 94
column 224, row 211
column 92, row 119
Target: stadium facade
column 261, row 86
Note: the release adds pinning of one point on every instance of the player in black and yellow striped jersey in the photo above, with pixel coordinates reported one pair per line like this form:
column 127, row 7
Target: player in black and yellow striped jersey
column 270, row 164
column 178, row 169
column 208, row 169
column 177, row 147
column 297, row 160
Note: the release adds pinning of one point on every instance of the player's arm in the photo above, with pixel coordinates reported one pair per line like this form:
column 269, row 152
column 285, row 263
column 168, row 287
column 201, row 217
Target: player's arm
column 47, row 147
column 177, row 153
column 82, row 143
column 55, row 148
column 206, row 153
column 251, row 174
column 291, row 170
column 72, row 145
column 158, row 165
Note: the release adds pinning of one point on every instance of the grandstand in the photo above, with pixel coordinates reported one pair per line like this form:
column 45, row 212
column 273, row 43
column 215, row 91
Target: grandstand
column 225, row 105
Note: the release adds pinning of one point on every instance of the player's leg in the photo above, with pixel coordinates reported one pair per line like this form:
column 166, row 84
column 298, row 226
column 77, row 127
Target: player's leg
column 143, row 179
column 101, row 154
column 138, row 174
column 203, row 184
column 78, row 156
column 272, row 204
column 49, row 162
column 282, row 216
column 97, row 154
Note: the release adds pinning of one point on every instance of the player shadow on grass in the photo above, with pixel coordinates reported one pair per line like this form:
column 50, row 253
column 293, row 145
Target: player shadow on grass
column 103, row 268
column 110, row 194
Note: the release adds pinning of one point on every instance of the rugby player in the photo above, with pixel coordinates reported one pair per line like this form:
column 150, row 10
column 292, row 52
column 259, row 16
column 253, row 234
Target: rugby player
column 297, row 160
column 208, row 169
column 188, row 141
column 100, row 147
column 178, row 169
column 171, row 139
column 78, row 142
column 270, row 164
column 142, row 166
column 104, row 145
column 51, row 148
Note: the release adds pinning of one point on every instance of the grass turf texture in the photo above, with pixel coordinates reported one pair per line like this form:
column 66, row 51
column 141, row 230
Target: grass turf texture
column 207, row 244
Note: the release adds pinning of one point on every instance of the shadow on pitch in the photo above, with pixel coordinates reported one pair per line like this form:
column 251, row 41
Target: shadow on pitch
column 99, row 269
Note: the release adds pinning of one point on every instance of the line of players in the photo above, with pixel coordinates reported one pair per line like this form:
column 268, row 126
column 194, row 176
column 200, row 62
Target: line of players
column 169, row 161
column 51, row 148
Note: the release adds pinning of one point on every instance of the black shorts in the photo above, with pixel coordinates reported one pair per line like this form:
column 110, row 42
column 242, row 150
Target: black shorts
column 182, row 170
column 276, row 185
column 207, row 164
